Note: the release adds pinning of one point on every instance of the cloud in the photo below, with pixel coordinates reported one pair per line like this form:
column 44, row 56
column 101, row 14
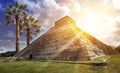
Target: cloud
column 11, row 44
column 2, row 48
column 8, row 43
column 117, row 31
column 49, row 11
column 116, row 4
column 10, row 34
column 22, row 44
column 112, row 40
column 118, row 24
column 62, row 1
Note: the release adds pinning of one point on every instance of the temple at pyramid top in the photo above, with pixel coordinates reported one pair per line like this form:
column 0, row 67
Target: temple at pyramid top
column 65, row 20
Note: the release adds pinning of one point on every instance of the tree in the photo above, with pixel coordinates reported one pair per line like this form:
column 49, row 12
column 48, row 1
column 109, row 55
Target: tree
column 13, row 16
column 31, row 27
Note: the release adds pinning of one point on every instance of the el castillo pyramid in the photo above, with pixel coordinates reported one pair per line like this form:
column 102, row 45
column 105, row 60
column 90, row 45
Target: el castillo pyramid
column 65, row 41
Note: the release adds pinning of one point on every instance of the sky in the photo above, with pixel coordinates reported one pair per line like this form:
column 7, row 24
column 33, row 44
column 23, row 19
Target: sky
column 100, row 18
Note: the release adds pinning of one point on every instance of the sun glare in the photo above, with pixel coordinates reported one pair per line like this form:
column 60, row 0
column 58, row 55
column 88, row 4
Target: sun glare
column 91, row 18
column 91, row 21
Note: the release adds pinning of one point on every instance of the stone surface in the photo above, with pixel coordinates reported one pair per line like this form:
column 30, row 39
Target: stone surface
column 66, row 41
column 118, row 49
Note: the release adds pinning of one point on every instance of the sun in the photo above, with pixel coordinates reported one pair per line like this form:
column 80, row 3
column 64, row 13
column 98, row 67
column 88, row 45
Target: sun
column 91, row 21
column 91, row 18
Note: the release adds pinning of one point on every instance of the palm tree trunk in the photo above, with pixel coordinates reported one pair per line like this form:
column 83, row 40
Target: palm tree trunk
column 28, row 36
column 17, row 34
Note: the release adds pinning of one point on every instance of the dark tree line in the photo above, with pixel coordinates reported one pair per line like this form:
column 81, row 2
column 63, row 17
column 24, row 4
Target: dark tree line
column 7, row 54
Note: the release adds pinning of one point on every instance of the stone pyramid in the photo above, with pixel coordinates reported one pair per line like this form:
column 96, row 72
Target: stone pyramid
column 65, row 41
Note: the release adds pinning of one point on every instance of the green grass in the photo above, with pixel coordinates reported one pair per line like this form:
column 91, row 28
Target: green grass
column 100, row 59
column 1, row 60
column 52, row 67
column 96, row 60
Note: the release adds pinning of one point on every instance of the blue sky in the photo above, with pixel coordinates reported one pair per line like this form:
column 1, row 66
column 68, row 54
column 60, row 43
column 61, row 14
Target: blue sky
column 100, row 18
column 6, row 33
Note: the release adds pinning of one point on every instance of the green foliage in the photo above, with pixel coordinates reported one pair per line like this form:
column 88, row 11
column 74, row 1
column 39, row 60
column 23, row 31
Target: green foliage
column 16, row 4
column 30, row 25
column 8, row 12
column 7, row 54
column 14, row 11
column 52, row 67
column 9, row 5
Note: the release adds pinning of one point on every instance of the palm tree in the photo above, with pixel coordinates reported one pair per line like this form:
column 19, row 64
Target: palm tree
column 13, row 16
column 31, row 27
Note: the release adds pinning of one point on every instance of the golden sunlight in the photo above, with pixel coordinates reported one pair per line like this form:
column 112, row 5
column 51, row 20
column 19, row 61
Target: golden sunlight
column 92, row 21
column 91, row 18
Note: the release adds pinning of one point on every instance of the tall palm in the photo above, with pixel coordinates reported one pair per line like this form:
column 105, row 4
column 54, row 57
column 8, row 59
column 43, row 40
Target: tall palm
column 31, row 27
column 13, row 16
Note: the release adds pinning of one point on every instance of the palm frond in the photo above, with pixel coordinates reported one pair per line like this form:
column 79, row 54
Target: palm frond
column 7, row 17
column 16, row 4
column 9, row 5
column 22, row 7
column 30, row 18
column 12, row 22
column 8, row 12
column 35, row 26
column 36, row 21
column 9, row 22
column 37, row 31
column 14, row 9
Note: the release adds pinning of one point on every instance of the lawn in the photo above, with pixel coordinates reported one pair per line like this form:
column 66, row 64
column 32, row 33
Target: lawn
column 53, row 67
column 97, row 60
column 100, row 59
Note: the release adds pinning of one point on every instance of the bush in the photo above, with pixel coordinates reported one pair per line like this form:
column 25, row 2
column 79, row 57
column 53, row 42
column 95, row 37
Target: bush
column 7, row 54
